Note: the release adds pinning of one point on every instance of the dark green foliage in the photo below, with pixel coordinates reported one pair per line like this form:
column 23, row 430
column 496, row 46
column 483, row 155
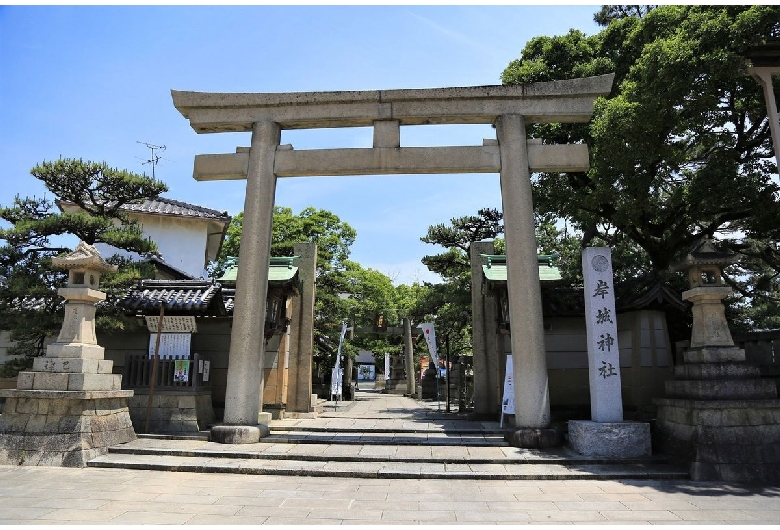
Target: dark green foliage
column 30, row 307
column 345, row 290
column 681, row 149
column 449, row 303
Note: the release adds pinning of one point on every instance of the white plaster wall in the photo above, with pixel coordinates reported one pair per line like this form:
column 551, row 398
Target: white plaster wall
column 181, row 242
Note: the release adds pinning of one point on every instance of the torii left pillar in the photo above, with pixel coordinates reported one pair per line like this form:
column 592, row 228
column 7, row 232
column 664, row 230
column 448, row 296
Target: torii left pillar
column 247, row 342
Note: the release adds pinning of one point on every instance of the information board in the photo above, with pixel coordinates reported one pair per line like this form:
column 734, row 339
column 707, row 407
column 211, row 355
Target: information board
column 171, row 344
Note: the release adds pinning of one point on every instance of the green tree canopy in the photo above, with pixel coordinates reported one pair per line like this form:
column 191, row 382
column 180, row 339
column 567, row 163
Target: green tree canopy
column 450, row 302
column 332, row 236
column 681, row 149
column 29, row 304
column 98, row 191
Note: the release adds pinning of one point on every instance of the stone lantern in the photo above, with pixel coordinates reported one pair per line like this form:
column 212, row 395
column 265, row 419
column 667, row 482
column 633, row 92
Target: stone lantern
column 719, row 415
column 70, row 407
column 77, row 335
column 710, row 337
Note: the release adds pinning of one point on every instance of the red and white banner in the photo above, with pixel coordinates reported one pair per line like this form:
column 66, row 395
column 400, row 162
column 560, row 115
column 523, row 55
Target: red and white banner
column 430, row 339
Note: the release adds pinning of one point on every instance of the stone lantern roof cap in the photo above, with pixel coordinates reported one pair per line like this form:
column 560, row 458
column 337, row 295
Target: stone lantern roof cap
column 85, row 256
column 705, row 254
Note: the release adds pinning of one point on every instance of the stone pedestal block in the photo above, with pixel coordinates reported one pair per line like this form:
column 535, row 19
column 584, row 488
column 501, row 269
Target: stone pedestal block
column 734, row 440
column 60, row 428
column 535, row 438
column 628, row 439
column 172, row 411
column 714, row 354
column 239, row 434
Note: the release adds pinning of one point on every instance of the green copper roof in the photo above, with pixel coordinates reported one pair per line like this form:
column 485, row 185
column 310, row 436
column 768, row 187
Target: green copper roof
column 495, row 268
column 279, row 270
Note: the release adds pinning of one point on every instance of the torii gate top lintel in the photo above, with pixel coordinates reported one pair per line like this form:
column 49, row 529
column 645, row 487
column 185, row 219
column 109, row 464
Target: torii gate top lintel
column 555, row 101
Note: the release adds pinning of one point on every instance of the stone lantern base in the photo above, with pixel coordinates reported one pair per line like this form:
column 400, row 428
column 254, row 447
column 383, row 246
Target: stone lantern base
column 67, row 410
column 62, row 428
column 721, row 417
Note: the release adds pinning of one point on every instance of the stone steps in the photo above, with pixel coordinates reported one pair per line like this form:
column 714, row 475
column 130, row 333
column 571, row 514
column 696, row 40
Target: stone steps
column 333, row 466
column 453, row 457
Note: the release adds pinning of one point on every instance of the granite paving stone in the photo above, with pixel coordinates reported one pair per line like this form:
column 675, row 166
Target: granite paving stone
column 640, row 515
column 483, row 518
column 213, row 520
column 253, row 496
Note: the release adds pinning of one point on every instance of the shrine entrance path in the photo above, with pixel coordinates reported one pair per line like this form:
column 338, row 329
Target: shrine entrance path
column 380, row 436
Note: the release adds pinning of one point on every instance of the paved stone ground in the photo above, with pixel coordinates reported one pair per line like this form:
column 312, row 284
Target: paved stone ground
column 48, row 496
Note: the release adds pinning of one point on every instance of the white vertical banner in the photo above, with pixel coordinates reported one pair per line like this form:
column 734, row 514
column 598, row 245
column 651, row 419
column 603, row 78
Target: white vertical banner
column 508, row 400
column 337, row 374
column 430, row 339
column 387, row 366
column 606, row 404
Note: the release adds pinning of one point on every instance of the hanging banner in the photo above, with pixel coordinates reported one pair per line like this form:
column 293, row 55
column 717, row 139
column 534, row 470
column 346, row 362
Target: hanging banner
column 508, row 401
column 335, row 382
column 387, row 366
column 337, row 373
column 430, row 339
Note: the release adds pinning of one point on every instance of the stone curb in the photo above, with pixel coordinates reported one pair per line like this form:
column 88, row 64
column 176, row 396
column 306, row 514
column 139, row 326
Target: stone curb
column 319, row 457
column 558, row 472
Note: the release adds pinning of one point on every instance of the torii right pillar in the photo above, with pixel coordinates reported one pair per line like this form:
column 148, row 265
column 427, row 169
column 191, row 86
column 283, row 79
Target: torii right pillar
column 531, row 392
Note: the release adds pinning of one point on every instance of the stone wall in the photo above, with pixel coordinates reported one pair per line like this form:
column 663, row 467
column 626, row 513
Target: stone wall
column 645, row 362
column 51, row 429
column 172, row 412
column 213, row 341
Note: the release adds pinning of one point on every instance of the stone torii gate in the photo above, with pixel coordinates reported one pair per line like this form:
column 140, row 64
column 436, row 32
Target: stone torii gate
column 509, row 108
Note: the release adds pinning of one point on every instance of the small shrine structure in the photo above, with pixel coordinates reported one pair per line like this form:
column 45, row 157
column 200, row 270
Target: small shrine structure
column 70, row 407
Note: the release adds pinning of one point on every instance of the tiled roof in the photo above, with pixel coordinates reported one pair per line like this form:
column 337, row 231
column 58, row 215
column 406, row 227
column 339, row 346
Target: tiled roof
column 279, row 269
column 170, row 269
column 180, row 297
column 165, row 206
column 495, row 269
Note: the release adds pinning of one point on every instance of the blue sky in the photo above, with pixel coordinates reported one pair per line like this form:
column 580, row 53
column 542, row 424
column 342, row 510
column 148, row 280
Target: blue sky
column 91, row 82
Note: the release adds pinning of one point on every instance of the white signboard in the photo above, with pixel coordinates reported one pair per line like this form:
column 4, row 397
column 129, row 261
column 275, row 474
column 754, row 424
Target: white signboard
column 171, row 344
column 175, row 324
column 366, row 372
column 606, row 405
column 508, row 401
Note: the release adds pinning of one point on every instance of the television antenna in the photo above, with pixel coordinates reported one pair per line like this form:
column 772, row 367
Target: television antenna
column 155, row 158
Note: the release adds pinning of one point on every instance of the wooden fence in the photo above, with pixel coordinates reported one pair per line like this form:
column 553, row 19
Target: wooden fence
column 177, row 373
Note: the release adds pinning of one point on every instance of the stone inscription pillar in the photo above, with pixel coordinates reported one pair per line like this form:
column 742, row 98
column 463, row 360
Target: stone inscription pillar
column 299, row 400
column 532, row 401
column 247, row 344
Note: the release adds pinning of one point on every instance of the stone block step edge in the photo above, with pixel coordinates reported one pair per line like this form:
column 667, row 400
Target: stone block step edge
column 564, row 474
column 336, row 440
column 252, row 455
column 293, row 428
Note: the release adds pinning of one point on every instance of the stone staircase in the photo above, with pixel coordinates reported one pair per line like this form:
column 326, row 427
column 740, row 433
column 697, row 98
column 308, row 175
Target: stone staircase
column 364, row 440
